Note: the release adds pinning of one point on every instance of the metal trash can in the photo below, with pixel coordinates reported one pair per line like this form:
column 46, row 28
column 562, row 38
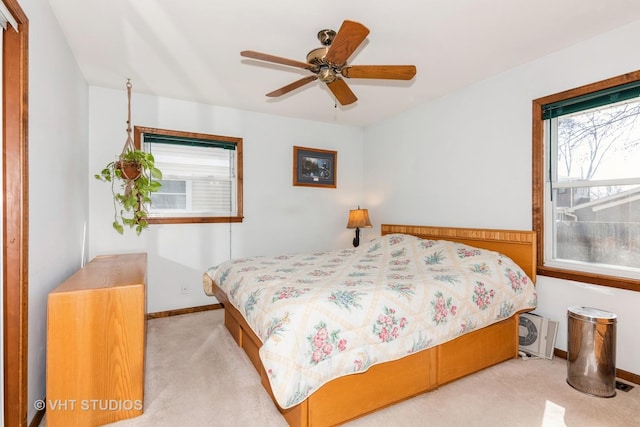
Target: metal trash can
column 591, row 351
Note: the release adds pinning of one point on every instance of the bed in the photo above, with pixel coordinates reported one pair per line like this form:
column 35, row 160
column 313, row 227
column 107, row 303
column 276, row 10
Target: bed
column 419, row 359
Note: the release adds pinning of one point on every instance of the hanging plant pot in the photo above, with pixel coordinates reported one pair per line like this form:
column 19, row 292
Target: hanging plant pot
column 133, row 177
column 129, row 169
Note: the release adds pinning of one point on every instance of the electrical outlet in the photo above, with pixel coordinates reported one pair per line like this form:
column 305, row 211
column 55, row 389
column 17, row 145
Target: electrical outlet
column 184, row 289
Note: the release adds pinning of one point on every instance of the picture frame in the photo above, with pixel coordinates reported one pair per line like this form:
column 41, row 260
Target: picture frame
column 313, row 167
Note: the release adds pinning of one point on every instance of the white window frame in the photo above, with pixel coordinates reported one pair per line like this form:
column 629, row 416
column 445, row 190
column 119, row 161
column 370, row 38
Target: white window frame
column 550, row 215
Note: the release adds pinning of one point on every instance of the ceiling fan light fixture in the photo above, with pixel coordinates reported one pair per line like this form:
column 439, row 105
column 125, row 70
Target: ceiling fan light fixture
column 326, row 75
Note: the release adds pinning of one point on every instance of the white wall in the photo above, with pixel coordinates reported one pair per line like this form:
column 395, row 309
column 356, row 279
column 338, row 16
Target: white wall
column 58, row 189
column 278, row 216
column 465, row 160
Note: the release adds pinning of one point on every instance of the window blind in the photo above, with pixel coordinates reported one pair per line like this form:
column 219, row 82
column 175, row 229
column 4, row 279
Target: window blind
column 188, row 141
column 206, row 167
column 591, row 100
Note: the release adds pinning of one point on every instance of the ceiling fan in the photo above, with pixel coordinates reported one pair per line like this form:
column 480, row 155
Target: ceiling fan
column 329, row 63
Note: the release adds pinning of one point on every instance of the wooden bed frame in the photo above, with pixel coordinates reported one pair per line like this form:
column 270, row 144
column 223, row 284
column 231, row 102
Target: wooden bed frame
column 355, row 395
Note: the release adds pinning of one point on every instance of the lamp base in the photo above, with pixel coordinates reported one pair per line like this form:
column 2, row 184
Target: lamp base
column 356, row 240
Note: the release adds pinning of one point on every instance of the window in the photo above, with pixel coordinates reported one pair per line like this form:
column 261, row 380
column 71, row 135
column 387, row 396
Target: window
column 586, row 183
column 201, row 176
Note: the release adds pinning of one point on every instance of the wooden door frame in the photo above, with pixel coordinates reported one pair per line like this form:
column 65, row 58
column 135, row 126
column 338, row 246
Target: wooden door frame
column 15, row 227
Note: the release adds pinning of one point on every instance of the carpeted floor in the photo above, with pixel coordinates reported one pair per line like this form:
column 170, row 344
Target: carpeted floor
column 197, row 376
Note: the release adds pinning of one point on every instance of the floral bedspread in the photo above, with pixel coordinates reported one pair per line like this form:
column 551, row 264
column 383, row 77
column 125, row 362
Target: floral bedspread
column 325, row 315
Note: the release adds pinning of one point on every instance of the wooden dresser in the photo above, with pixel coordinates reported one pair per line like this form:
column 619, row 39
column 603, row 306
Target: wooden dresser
column 96, row 342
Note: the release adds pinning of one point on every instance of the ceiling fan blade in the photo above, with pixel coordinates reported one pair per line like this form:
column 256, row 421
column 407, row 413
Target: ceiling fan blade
column 393, row 72
column 341, row 91
column 291, row 86
column 347, row 40
column 278, row 60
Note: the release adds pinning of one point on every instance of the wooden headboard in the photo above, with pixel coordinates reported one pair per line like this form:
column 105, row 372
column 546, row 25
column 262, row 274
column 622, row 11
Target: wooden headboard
column 518, row 245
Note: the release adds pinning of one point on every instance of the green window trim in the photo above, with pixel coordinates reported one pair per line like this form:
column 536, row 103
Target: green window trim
column 591, row 100
column 187, row 141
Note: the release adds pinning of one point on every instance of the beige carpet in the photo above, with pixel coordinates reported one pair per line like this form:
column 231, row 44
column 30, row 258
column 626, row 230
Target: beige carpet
column 197, row 376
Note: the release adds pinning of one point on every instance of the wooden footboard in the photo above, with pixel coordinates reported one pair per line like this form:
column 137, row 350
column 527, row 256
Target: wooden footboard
column 354, row 395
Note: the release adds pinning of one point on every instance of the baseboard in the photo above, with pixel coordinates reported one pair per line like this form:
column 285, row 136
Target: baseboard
column 180, row 311
column 628, row 376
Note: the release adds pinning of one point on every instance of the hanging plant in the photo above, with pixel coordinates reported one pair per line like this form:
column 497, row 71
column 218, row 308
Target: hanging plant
column 133, row 177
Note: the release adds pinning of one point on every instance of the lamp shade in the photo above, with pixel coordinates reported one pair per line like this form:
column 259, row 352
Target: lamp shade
column 359, row 218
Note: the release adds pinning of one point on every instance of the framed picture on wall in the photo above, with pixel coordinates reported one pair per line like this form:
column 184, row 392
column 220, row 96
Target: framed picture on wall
column 314, row 167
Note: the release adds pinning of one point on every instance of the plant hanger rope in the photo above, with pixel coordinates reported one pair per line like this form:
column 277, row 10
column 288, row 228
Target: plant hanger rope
column 128, row 145
column 129, row 169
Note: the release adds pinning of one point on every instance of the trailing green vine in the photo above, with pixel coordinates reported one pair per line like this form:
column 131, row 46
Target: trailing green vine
column 132, row 189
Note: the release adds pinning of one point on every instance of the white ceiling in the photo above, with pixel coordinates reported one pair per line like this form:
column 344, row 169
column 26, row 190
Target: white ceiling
column 190, row 49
